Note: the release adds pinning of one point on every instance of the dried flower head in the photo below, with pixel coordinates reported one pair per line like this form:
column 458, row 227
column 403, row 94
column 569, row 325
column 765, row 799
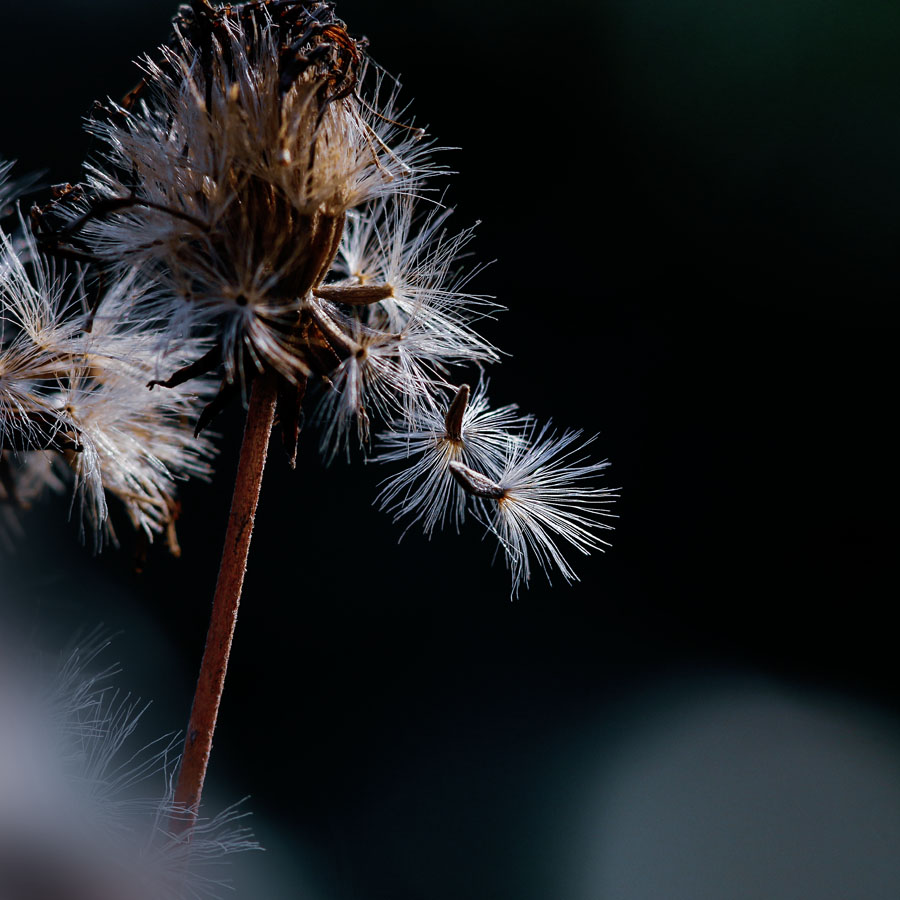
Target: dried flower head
column 228, row 174
column 258, row 177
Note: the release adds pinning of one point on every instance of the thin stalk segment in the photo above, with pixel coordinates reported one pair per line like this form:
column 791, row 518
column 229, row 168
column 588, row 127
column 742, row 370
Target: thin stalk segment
column 211, row 681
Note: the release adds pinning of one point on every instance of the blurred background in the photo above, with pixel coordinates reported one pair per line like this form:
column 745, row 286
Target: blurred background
column 694, row 208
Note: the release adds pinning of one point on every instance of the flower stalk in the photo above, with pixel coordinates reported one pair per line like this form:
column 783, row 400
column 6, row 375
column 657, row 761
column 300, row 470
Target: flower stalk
column 211, row 680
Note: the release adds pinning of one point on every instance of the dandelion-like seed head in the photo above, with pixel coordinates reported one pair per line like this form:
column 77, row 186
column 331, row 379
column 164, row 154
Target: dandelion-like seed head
column 544, row 495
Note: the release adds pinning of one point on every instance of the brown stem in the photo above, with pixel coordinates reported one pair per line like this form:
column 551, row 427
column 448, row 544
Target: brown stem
column 211, row 681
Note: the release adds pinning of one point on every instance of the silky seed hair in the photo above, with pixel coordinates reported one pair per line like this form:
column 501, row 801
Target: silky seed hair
column 74, row 402
column 545, row 495
column 465, row 431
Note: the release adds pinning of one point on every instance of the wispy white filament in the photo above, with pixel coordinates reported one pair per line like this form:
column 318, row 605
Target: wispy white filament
column 425, row 491
column 81, row 397
column 549, row 495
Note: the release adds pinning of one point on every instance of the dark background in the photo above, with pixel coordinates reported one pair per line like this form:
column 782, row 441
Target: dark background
column 694, row 207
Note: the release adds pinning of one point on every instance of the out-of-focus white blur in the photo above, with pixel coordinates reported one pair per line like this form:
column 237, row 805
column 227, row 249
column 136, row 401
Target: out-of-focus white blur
column 86, row 809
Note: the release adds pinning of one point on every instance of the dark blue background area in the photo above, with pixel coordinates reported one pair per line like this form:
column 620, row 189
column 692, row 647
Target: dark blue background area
column 694, row 209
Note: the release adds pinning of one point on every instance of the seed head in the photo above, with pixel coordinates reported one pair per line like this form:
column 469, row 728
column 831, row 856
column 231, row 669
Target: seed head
column 542, row 495
column 465, row 433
